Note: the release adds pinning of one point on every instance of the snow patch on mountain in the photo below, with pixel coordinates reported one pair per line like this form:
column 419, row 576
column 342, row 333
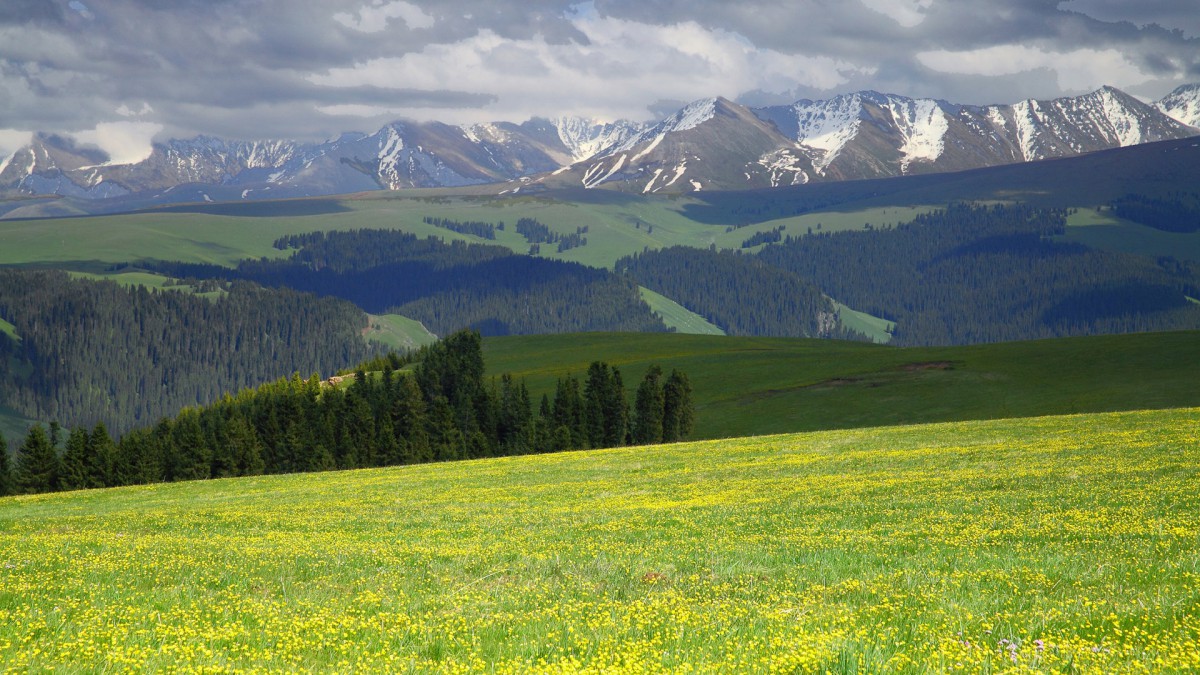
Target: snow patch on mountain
column 587, row 138
column 922, row 125
column 1182, row 105
column 827, row 126
column 783, row 167
column 692, row 116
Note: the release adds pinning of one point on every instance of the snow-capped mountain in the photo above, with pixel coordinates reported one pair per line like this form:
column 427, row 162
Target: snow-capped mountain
column 711, row 144
column 1183, row 104
column 869, row 135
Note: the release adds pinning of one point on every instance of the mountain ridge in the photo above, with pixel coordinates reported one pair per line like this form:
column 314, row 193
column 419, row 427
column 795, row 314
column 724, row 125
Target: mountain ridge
column 712, row 144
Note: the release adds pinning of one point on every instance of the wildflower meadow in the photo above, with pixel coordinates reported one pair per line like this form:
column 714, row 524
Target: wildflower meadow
column 1057, row 544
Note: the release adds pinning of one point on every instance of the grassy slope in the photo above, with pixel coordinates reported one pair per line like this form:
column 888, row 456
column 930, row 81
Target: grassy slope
column 1103, row 230
column 676, row 316
column 1056, row 544
column 398, row 332
column 746, row 386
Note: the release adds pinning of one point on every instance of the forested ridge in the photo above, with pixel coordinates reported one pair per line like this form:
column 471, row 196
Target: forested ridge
column 739, row 293
column 447, row 287
column 1177, row 212
column 973, row 274
column 439, row 408
column 94, row 351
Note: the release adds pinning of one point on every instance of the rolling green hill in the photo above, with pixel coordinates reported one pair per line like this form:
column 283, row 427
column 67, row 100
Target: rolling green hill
column 748, row 386
column 1059, row 544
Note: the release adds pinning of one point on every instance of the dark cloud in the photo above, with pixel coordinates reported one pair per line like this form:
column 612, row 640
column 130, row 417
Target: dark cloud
column 309, row 68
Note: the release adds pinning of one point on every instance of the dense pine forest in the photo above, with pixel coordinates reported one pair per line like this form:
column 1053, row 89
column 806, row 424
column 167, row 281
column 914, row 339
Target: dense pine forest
column 1177, row 212
column 91, row 351
column 447, row 287
column 972, row 274
column 437, row 407
column 739, row 293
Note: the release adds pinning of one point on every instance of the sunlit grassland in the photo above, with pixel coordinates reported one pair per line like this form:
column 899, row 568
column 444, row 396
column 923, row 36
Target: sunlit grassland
column 747, row 385
column 1099, row 228
column 1063, row 544
column 398, row 332
column 678, row 317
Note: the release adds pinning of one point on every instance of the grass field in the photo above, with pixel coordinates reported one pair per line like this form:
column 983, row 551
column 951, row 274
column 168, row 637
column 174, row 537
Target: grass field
column 398, row 332
column 1103, row 230
column 1062, row 544
column 618, row 225
column 749, row 386
column 879, row 330
column 676, row 316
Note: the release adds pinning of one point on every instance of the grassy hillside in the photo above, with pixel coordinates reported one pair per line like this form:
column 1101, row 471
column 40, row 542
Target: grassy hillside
column 746, row 386
column 398, row 332
column 1054, row 544
column 676, row 316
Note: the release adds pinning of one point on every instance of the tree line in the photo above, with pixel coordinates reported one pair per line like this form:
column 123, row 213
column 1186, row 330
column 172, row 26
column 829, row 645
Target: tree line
column 739, row 293
column 971, row 274
column 1177, row 212
column 440, row 409
column 89, row 351
column 447, row 287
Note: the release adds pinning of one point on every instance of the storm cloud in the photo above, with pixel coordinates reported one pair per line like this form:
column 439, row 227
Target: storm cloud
column 117, row 73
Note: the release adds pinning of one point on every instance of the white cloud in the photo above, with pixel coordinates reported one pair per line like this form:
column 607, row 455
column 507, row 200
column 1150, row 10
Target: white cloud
column 125, row 142
column 12, row 140
column 907, row 13
column 374, row 18
column 624, row 67
column 125, row 111
column 1077, row 70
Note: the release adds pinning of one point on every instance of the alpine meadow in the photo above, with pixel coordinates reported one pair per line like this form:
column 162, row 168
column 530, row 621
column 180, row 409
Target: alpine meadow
column 401, row 336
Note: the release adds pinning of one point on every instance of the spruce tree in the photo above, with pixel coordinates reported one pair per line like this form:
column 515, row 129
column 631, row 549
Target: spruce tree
column 74, row 473
column 678, row 411
column 191, row 458
column 37, row 463
column 103, row 452
column 6, row 476
column 648, row 409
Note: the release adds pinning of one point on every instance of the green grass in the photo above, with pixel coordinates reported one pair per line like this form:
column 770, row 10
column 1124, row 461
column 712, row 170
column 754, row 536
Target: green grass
column 746, row 386
column 879, row 330
column 677, row 316
column 1061, row 544
column 398, row 332
column 618, row 225
column 1103, row 230
column 8, row 329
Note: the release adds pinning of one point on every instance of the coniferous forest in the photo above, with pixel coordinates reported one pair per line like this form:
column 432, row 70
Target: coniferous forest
column 447, row 287
column 436, row 407
column 972, row 274
column 91, row 351
column 739, row 293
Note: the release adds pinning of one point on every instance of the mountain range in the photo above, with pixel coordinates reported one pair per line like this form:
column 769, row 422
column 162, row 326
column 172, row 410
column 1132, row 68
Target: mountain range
column 711, row 144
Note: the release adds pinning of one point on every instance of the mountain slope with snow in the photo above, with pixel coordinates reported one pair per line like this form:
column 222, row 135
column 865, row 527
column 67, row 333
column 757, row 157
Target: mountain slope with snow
column 710, row 144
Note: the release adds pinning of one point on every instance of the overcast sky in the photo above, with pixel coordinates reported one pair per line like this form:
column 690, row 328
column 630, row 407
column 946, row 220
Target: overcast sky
column 116, row 73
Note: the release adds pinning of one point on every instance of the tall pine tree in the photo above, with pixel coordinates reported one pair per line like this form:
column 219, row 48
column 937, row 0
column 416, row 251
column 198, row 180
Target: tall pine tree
column 37, row 463
column 648, row 409
column 6, row 477
column 678, row 411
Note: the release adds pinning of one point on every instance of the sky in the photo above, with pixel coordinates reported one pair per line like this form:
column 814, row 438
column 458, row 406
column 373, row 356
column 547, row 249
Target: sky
column 117, row 74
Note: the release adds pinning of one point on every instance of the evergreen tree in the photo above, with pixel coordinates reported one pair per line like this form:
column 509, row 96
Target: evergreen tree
column 74, row 470
column 245, row 446
column 6, row 477
column 616, row 412
column 191, row 458
column 37, row 463
column 103, row 452
column 678, row 412
column 648, row 409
